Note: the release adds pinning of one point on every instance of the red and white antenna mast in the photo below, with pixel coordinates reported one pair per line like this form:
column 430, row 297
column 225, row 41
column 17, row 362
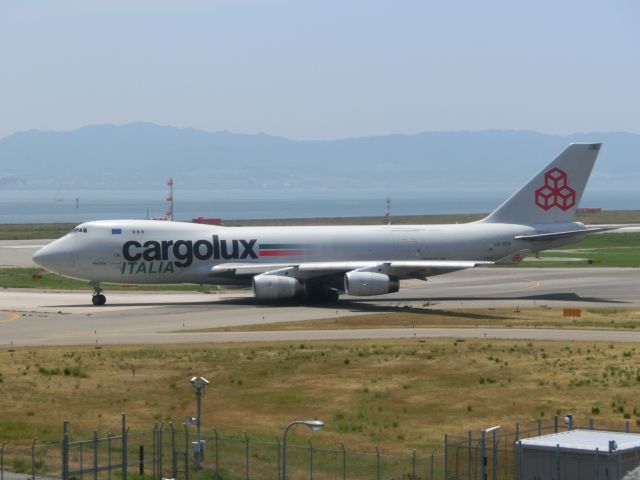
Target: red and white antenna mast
column 170, row 200
column 387, row 212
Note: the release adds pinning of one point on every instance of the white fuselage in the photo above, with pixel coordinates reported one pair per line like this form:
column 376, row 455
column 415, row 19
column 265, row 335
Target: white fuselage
column 153, row 252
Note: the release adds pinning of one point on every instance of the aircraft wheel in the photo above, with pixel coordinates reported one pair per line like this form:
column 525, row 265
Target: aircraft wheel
column 99, row 300
column 332, row 296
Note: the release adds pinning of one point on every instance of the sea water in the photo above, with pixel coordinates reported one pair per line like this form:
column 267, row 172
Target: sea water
column 49, row 206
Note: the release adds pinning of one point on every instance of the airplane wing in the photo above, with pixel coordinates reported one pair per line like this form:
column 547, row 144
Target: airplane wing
column 400, row 268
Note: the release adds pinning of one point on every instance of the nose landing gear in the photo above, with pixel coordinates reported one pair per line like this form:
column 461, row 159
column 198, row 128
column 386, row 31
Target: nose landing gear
column 98, row 298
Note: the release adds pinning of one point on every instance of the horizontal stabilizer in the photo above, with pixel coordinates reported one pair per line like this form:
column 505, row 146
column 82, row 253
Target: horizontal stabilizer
column 558, row 235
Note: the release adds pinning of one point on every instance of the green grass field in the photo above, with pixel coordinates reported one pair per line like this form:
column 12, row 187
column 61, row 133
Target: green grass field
column 602, row 250
column 56, row 230
column 38, row 278
column 33, row 231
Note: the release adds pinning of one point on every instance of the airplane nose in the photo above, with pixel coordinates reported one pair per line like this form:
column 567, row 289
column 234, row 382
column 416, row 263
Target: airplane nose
column 53, row 257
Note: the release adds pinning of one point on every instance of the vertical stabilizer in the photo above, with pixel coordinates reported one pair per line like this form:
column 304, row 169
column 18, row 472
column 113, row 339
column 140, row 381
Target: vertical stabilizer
column 554, row 193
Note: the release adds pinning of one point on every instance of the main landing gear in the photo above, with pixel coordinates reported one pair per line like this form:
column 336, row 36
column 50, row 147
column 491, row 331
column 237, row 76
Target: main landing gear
column 321, row 293
column 98, row 298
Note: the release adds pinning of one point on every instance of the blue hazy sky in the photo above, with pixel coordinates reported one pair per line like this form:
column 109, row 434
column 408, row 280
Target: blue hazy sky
column 321, row 69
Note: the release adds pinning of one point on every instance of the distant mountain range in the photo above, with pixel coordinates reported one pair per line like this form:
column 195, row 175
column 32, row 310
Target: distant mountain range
column 144, row 155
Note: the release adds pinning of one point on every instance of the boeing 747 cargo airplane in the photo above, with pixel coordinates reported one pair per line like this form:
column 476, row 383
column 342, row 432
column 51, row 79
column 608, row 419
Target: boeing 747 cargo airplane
column 323, row 262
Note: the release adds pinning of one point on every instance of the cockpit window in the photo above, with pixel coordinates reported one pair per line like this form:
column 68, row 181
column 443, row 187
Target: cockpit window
column 78, row 230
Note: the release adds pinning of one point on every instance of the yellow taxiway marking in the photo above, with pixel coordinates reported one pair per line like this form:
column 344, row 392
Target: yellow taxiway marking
column 12, row 317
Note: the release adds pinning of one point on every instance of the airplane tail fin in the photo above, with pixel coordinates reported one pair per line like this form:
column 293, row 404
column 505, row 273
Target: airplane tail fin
column 554, row 193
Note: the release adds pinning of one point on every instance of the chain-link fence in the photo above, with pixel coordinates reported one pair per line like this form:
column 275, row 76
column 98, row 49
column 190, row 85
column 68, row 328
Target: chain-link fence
column 169, row 451
column 243, row 458
column 38, row 460
column 175, row 452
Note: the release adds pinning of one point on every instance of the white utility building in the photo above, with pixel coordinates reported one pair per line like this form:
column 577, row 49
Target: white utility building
column 579, row 455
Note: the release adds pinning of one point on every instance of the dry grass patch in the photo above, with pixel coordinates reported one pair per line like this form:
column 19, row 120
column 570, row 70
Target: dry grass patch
column 600, row 318
column 396, row 394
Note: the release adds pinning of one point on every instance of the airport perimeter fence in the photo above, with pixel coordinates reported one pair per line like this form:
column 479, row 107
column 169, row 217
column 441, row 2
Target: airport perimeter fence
column 169, row 451
column 493, row 454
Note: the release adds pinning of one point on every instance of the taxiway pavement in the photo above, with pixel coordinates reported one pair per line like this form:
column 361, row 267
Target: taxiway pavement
column 30, row 317
column 18, row 253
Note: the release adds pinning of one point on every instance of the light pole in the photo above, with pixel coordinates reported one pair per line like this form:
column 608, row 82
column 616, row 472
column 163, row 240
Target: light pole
column 314, row 425
column 198, row 384
column 483, row 452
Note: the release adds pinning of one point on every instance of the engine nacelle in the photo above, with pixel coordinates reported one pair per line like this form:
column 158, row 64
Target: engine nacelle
column 363, row 284
column 270, row 287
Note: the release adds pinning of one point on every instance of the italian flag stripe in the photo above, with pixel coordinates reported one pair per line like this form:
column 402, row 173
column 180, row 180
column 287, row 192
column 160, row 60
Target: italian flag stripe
column 283, row 249
column 283, row 252
column 283, row 246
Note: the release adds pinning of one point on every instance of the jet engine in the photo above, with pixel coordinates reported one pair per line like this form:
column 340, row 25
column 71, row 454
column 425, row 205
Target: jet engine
column 270, row 287
column 362, row 284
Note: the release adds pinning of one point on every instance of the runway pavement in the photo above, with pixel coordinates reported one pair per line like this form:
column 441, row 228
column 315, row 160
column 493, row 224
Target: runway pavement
column 18, row 253
column 29, row 317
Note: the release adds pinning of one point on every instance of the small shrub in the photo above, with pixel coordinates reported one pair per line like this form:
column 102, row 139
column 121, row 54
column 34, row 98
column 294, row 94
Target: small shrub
column 49, row 371
column 595, row 410
column 19, row 465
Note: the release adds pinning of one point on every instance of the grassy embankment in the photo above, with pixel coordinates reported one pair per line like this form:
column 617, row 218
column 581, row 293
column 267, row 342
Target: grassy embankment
column 396, row 395
column 417, row 317
column 55, row 230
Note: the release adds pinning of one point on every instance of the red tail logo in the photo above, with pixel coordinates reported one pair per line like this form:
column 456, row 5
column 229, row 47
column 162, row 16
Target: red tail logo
column 555, row 192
